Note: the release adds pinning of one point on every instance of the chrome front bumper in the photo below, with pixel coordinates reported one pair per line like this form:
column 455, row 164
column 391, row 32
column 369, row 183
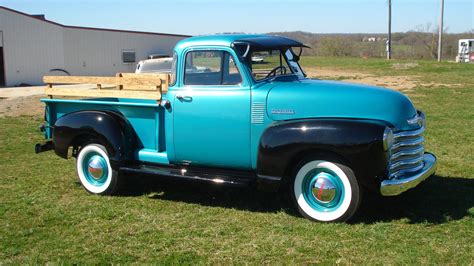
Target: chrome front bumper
column 395, row 187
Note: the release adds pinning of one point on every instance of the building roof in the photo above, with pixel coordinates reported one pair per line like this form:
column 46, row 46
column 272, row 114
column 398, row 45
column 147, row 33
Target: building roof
column 90, row 28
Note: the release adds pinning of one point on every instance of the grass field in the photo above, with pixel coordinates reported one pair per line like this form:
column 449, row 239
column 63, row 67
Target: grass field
column 45, row 215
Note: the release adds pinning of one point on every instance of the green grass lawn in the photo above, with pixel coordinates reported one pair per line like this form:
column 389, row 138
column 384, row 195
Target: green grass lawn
column 45, row 215
column 424, row 70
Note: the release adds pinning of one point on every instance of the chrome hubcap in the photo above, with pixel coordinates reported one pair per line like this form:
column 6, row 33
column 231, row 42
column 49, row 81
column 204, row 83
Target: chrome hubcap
column 96, row 167
column 323, row 188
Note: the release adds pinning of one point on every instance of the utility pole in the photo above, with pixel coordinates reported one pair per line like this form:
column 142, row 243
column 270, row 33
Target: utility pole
column 389, row 41
column 440, row 40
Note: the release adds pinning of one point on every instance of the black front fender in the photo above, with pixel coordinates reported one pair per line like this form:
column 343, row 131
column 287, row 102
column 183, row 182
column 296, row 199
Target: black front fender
column 358, row 143
column 106, row 127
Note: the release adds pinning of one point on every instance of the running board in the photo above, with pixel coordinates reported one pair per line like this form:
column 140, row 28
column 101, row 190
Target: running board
column 208, row 175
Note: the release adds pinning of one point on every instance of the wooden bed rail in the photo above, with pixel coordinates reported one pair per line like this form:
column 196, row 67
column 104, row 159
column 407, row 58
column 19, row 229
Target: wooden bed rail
column 123, row 85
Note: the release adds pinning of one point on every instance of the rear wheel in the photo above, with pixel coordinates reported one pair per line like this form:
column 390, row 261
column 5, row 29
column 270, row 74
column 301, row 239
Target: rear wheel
column 325, row 191
column 94, row 170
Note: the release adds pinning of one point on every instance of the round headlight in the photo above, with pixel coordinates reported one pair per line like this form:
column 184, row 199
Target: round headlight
column 387, row 138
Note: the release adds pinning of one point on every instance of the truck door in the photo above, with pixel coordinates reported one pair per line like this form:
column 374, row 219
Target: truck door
column 211, row 120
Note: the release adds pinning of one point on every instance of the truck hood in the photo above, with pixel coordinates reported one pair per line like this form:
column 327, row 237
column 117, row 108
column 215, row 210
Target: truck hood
column 330, row 99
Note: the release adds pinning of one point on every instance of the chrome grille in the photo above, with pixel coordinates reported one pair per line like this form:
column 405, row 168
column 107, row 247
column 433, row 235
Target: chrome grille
column 406, row 153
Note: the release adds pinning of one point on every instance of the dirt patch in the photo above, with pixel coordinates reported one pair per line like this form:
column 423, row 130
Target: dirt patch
column 401, row 83
column 26, row 101
column 19, row 106
column 18, row 101
column 31, row 105
column 404, row 66
column 21, row 91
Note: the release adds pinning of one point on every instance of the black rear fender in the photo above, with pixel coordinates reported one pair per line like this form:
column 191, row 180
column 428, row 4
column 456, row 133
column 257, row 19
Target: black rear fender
column 105, row 127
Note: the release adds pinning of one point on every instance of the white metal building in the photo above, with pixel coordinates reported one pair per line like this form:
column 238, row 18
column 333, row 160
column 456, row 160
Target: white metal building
column 31, row 47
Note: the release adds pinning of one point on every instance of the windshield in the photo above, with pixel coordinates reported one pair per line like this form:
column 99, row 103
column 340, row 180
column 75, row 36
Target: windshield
column 272, row 63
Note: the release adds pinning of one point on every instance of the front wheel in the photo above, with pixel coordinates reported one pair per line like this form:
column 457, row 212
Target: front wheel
column 325, row 191
column 94, row 170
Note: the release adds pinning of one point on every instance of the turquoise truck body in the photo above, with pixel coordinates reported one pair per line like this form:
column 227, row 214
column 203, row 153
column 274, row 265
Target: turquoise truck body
column 223, row 126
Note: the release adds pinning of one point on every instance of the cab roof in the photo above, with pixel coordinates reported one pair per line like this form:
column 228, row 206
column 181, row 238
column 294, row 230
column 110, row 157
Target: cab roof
column 255, row 40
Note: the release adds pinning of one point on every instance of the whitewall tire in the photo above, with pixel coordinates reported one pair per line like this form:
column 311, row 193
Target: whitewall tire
column 325, row 191
column 95, row 171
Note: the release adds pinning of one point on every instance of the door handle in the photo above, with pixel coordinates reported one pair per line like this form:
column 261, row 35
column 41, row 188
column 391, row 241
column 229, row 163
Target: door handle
column 184, row 98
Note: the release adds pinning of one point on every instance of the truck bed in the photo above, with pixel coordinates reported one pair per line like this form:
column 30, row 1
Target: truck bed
column 145, row 116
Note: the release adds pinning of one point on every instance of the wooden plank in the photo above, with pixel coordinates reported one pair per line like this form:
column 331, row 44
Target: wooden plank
column 136, row 86
column 140, row 88
column 155, row 74
column 128, row 80
column 79, row 80
column 154, row 95
column 134, row 81
column 118, row 75
column 162, row 76
column 141, row 80
column 165, row 84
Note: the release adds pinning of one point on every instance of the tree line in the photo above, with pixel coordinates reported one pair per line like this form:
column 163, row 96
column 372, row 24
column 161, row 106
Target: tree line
column 420, row 43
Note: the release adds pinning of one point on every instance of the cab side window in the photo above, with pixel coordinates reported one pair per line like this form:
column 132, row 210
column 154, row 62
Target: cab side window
column 231, row 72
column 211, row 68
column 173, row 69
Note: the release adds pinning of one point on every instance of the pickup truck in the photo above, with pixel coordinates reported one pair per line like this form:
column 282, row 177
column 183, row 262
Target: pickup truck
column 228, row 120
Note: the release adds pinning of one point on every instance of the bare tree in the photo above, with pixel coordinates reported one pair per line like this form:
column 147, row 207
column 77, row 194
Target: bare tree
column 427, row 36
column 416, row 44
column 336, row 46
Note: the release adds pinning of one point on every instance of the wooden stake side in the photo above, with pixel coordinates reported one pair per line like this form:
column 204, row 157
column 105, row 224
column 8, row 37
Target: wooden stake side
column 104, row 93
column 125, row 85
column 126, row 80
column 119, row 75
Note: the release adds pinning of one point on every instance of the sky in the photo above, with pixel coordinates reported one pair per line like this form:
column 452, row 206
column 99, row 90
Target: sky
column 257, row 16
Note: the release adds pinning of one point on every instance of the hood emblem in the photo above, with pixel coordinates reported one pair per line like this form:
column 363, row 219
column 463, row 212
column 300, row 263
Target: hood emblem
column 283, row 111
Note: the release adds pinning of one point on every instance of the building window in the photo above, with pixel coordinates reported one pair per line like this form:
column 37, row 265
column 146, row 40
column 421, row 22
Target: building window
column 128, row 56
